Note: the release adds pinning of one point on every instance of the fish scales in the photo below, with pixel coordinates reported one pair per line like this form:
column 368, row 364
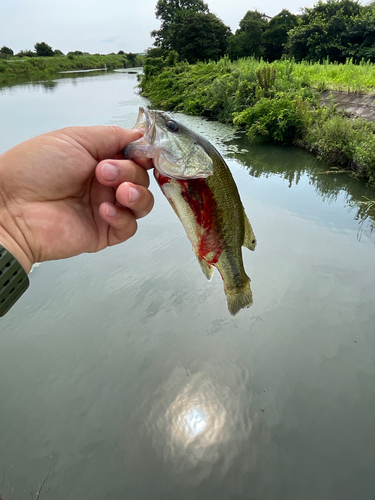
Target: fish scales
column 204, row 196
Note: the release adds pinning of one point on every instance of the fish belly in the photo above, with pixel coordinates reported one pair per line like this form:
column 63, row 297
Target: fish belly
column 199, row 213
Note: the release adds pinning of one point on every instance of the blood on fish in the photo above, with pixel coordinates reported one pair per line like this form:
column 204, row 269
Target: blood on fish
column 161, row 179
column 200, row 199
column 202, row 202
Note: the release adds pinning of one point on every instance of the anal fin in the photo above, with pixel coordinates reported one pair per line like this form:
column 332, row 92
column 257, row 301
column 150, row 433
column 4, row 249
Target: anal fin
column 249, row 240
column 206, row 268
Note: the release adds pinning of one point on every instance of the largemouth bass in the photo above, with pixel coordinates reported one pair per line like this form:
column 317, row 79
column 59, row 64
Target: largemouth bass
column 199, row 185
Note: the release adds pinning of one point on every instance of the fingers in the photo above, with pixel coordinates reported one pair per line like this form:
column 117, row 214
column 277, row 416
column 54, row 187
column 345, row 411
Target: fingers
column 137, row 201
column 121, row 221
column 137, row 198
column 115, row 172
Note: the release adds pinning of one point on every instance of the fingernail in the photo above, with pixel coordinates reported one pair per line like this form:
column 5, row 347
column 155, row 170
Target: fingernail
column 109, row 172
column 133, row 194
column 111, row 210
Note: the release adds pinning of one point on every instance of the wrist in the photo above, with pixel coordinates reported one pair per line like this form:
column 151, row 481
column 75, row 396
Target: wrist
column 13, row 281
column 11, row 244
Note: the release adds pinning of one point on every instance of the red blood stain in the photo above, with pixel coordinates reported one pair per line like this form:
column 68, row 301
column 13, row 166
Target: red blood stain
column 161, row 179
column 201, row 200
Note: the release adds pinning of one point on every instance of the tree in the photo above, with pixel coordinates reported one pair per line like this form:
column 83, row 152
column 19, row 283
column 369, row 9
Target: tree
column 42, row 49
column 275, row 35
column 359, row 39
column 247, row 41
column 198, row 36
column 167, row 11
column 336, row 29
column 26, row 53
column 6, row 51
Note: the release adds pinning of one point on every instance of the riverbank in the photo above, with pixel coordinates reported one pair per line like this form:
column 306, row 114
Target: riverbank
column 47, row 66
column 279, row 103
column 354, row 104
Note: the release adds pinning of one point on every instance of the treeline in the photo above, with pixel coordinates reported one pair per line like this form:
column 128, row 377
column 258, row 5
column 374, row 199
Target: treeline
column 42, row 49
column 39, row 64
column 336, row 29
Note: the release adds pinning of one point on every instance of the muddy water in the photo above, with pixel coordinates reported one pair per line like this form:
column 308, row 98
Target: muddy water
column 122, row 374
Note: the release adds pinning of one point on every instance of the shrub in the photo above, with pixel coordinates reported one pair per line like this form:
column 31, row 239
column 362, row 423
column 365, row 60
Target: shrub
column 281, row 120
column 346, row 142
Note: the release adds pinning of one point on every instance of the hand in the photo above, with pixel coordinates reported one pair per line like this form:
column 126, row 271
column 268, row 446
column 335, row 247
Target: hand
column 58, row 198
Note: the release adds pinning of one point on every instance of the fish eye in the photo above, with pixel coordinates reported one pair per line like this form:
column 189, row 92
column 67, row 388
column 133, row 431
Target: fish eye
column 172, row 126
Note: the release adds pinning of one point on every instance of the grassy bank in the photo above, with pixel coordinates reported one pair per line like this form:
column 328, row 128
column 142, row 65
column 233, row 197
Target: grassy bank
column 276, row 102
column 48, row 66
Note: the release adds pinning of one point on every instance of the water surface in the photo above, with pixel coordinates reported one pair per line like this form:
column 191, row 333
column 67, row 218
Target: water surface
column 122, row 374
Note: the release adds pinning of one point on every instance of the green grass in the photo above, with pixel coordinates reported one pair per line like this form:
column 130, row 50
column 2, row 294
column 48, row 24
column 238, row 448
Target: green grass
column 47, row 66
column 345, row 77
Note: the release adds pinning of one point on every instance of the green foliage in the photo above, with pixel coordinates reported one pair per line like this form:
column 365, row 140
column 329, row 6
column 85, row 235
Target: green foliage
column 283, row 119
column 275, row 36
column 189, row 28
column 156, row 52
column 247, row 41
column 42, row 49
column 170, row 11
column 345, row 142
column 6, row 51
column 24, row 67
column 26, row 53
column 336, row 29
column 266, row 77
column 198, row 36
column 274, row 103
column 58, row 52
column 132, row 59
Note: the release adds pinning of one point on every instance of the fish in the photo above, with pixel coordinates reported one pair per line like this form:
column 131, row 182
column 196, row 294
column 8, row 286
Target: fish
column 199, row 186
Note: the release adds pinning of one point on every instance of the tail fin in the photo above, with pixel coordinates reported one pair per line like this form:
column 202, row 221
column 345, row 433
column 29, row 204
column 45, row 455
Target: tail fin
column 239, row 299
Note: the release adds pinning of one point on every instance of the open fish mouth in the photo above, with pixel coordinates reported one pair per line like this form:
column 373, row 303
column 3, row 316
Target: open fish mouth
column 146, row 124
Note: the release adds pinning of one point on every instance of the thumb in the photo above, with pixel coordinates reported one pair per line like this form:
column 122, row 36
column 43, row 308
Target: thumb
column 102, row 142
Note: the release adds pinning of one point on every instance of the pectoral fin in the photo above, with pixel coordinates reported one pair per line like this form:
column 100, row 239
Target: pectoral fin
column 249, row 240
column 206, row 268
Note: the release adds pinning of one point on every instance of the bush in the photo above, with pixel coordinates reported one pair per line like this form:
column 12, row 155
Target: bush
column 346, row 142
column 281, row 120
column 42, row 49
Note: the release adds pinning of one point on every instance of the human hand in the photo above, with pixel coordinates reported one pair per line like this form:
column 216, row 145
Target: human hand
column 68, row 192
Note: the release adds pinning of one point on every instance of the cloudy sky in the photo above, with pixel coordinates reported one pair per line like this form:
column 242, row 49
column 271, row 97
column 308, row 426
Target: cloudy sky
column 106, row 26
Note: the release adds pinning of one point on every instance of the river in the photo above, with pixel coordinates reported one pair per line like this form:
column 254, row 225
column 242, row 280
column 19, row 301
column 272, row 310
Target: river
column 124, row 377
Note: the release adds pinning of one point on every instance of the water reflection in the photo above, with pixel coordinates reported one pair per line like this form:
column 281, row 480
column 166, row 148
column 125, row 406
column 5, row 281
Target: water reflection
column 200, row 420
column 267, row 160
column 29, row 83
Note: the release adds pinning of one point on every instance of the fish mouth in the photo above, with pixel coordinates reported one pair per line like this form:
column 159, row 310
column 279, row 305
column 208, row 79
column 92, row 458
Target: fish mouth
column 146, row 124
